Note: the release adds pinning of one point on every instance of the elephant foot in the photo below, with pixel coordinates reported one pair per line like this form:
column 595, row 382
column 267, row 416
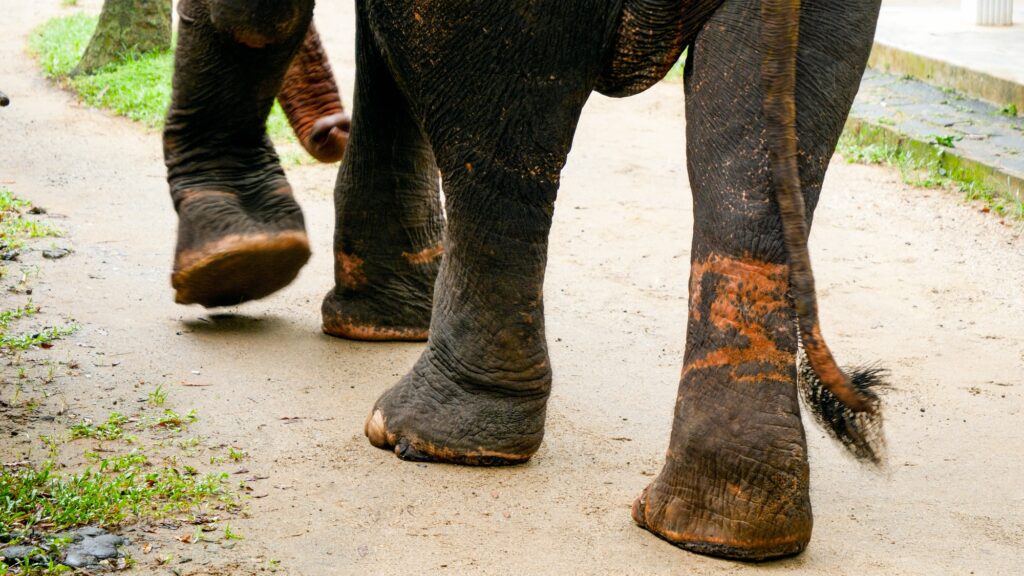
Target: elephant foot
column 233, row 249
column 429, row 418
column 360, row 319
column 721, row 521
column 380, row 301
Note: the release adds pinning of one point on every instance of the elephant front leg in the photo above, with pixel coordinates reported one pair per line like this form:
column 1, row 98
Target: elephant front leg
column 241, row 234
column 478, row 393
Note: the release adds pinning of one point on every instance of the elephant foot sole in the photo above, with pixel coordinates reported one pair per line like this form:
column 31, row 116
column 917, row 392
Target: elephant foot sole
column 356, row 319
column 424, row 420
column 238, row 268
column 715, row 539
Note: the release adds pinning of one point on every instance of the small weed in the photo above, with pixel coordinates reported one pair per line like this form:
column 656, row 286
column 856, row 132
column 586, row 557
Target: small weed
column 158, row 396
column 112, row 429
column 1009, row 110
column 230, row 534
column 15, row 228
column 43, row 338
column 11, row 203
column 236, row 455
column 188, row 443
column 7, row 316
column 174, row 421
column 946, row 141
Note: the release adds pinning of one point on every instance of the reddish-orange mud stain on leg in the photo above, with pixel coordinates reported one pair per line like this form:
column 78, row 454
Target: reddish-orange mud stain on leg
column 745, row 293
column 424, row 256
column 350, row 271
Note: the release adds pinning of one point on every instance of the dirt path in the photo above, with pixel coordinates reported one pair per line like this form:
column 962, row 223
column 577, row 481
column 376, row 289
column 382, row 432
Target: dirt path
column 929, row 286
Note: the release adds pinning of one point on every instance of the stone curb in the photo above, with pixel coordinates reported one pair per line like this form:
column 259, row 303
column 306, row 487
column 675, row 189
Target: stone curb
column 981, row 85
column 957, row 165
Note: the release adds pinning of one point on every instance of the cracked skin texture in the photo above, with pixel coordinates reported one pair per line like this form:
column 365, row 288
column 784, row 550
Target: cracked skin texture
column 712, row 497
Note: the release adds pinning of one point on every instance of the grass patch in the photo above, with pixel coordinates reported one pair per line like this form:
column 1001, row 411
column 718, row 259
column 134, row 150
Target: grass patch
column 925, row 170
column 138, row 87
column 44, row 338
column 123, row 482
column 174, row 421
column 15, row 226
column 112, row 429
column 115, row 491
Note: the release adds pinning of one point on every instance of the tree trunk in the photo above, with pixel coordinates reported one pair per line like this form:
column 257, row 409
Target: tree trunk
column 127, row 26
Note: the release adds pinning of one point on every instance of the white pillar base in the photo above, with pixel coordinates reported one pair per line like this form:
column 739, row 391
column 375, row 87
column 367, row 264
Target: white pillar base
column 988, row 12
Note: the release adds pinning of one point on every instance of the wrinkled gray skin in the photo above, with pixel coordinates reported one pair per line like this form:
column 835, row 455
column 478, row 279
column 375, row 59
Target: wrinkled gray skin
column 489, row 94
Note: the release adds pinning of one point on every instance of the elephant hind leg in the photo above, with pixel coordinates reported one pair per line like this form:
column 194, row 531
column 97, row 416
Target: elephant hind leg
column 389, row 228
column 736, row 478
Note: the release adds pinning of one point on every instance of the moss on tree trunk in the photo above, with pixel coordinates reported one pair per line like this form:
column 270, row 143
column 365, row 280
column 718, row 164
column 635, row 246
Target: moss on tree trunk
column 127, row 26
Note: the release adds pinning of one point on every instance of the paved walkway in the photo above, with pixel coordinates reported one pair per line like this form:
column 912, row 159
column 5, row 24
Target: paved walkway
column 948, row 91
column 932, row 41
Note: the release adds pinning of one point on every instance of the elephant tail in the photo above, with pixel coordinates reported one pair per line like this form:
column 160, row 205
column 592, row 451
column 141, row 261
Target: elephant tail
column 310, row 99
column 846, row 405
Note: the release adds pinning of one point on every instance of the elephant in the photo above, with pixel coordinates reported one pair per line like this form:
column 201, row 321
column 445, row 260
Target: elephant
column 488, row 94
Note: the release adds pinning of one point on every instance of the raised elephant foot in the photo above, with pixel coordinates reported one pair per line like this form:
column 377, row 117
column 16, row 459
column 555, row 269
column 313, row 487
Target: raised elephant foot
column 725, row 521
column 427, row 417
column 231, row 250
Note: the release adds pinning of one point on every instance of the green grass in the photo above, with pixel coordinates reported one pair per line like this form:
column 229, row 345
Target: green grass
column 117, row 490
column 15, row 227
column 174, row 421
column 139, row 87
column 112, row 429
column 42, row 338
column 121, row 484
column 925, row 172
column 10, row 315
column 158, row 396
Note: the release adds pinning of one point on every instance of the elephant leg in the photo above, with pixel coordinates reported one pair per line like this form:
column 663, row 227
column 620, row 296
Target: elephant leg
column 389, row 231
column 241, row 234
column 500, row 109
column 735, row 480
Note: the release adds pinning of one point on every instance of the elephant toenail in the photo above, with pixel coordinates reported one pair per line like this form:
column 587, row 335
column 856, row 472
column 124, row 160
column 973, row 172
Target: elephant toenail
column 375, row 430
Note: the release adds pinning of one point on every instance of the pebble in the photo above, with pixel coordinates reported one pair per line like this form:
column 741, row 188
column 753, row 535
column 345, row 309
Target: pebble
column 56, row 253
column 87, row 547
column 91, row 545
column 17, row 552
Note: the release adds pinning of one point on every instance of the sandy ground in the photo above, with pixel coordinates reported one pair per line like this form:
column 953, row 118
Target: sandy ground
column 929, row 286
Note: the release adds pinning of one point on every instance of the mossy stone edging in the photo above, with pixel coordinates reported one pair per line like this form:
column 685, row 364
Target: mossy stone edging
column 957, row 166
column 977, row 84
